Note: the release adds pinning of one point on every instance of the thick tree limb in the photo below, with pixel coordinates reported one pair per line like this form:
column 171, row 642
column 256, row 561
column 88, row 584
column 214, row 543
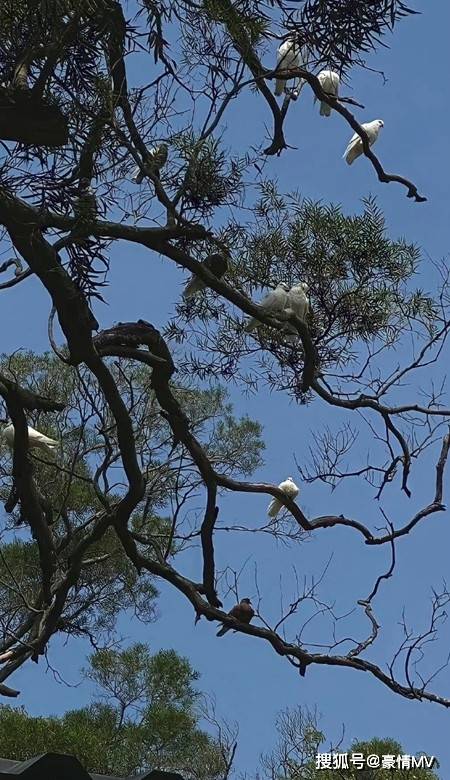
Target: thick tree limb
column 74, row 315
column 281, row 647
column 30, row 503
column 30, row 120
column 162, row 372
column 28, row 399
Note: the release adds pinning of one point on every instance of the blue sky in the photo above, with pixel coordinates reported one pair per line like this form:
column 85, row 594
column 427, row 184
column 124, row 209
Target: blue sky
column 250, row 682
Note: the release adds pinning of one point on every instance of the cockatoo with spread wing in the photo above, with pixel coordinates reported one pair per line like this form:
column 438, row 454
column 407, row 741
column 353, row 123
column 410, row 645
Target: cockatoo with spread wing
column 298, row 303
column 36, row 440
column 290, row 489
column 329, row 81
column 157, row 158
column 242, row 612
column 274, row 303
column 217, row 264
column 355, row 146
column 289, row 56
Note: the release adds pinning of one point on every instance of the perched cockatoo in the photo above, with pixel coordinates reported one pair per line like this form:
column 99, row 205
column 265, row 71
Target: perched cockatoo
column 298, row 303
column 329, row 81
column 290, row 489
column 242, row 612
column 157, row 158
column 289, row 56
column 217, row 264
column 274, row 303
column 355, row 146
column 36, row 439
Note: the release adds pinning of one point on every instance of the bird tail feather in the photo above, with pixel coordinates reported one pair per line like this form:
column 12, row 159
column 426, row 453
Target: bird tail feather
column 274, row 508
column 325, row 109
column 279, row 86
column 222, row 631
column 351, row 153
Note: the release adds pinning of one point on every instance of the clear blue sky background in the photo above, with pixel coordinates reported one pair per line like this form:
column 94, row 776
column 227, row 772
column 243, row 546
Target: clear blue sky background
column 250, row 682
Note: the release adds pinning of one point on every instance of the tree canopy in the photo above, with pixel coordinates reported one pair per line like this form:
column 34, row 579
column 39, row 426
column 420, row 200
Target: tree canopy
column 302, row 752
column 118, row 94
column 145, row 716
column 148, row 718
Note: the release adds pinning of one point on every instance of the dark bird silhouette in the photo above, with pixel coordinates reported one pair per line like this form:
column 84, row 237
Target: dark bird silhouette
column 156, row 159
column 217, row 264
column 242, row 612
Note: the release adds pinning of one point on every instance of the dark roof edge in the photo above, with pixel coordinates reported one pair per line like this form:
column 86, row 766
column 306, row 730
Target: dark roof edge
column 42, row 768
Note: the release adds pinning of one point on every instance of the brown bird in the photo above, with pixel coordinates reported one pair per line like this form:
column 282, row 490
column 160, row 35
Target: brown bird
column 242, row 612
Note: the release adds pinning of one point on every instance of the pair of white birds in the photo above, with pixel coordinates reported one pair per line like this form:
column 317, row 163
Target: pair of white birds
column 284, row 300
column 36, row 439
column 290, row 56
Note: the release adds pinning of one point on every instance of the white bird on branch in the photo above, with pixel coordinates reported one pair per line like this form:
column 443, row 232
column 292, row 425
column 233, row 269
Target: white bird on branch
column 156, row 159
column 355, row 146
column 289, row 56
column 36, row 440
column 217, row 264
column 298, row 301
column 274, row 303
column 298, row 304
column 290, row 489
column 329, row 81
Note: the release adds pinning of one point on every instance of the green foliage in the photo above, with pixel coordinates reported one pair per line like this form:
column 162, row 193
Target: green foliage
column 108, row 584
column 135, row 675
column 213, row 176
column 300, row 741
column 358, row 276
column 76, row 488
column 245, row 24
column 147, row 720
column 82, row 56
column 361, row 290
column 378, row 747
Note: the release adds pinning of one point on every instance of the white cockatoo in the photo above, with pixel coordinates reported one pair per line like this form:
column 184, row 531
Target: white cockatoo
column 290, row 489
column 289, row 56
column 217, row 264
column 273, row 303
column 36, row 439
column 329, row 81
column 157, row 158
column 355, row 146
column 297, row 303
